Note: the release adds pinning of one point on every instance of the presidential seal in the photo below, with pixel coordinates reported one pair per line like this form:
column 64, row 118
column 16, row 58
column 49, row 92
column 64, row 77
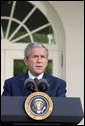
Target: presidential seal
column 38, row 105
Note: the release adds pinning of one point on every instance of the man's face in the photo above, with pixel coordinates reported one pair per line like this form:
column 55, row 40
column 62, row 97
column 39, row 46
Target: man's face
column 37, row 61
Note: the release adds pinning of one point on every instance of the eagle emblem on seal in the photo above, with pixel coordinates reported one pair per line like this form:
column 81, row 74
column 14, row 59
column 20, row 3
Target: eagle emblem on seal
column 38, row 105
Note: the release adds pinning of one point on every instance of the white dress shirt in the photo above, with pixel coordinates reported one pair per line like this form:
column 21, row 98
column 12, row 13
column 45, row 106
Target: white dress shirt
column 32, row 77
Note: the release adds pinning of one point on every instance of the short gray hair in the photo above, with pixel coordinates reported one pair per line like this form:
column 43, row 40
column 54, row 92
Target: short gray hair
column 34, row 45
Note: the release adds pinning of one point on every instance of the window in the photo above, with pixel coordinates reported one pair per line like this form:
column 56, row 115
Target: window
column 22, row 22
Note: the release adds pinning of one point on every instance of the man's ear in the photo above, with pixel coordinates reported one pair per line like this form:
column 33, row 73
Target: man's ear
column 26, row 61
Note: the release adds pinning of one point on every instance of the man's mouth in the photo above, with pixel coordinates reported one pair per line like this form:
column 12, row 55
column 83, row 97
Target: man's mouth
column 39, row 66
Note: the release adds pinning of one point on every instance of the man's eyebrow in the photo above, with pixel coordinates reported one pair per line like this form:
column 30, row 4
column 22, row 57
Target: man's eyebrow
column 35, row 55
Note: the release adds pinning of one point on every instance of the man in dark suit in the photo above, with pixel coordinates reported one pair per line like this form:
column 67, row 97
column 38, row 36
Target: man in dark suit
column 36, row 58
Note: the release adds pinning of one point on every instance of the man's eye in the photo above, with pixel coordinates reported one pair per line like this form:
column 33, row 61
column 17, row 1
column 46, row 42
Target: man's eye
column 35, row 56
column 42, row 56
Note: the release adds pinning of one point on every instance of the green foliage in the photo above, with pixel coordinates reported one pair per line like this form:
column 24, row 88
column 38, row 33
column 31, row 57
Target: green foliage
column 41, row 38
column 24, row 40
column 19, row 67
column 49, row 68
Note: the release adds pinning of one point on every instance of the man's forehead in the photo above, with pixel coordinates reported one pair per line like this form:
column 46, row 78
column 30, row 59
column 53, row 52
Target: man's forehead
column 37, row 49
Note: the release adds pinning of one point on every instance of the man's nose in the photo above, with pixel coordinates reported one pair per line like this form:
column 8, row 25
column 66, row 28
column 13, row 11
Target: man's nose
column 39, row 59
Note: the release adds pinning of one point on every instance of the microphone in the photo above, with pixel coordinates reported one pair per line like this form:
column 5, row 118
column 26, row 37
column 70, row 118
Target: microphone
column 29, row 84
column 42, row 85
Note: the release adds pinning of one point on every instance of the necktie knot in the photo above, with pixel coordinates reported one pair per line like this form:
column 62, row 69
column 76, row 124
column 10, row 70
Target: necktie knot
column 35, row 80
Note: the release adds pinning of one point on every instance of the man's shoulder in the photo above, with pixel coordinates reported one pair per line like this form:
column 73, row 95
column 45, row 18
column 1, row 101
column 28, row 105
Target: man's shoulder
column 54, row 78
column 16, row 77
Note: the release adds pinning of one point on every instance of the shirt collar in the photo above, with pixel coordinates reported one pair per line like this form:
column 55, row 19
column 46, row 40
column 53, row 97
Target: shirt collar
column 32, row 77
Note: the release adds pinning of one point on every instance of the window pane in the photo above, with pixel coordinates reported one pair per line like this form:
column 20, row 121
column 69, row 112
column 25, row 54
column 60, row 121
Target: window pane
column 13, row 27
column 36, row 20
column 44, row 36
column 6, row 8
column 24, row 40
column 20, row 33
column 4, row 25
column 20, row 67
column 22, row 9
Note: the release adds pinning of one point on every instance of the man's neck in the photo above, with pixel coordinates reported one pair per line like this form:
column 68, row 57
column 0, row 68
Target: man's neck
column 39, row 76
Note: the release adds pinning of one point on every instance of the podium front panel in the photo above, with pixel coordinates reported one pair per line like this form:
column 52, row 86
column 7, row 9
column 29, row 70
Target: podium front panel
column 65, row 110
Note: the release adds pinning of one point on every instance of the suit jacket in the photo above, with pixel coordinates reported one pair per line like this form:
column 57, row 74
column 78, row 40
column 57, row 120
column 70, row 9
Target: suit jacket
column 15, row 86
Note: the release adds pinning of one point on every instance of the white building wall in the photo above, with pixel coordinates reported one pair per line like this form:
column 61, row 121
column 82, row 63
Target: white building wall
column 71, row 14
column 72, row 17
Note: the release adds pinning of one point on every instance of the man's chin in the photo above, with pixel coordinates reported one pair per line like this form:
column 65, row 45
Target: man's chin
column 39, row 72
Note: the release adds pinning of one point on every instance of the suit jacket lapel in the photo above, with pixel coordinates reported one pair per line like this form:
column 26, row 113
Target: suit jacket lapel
column 47, row 77
column 22, row 87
